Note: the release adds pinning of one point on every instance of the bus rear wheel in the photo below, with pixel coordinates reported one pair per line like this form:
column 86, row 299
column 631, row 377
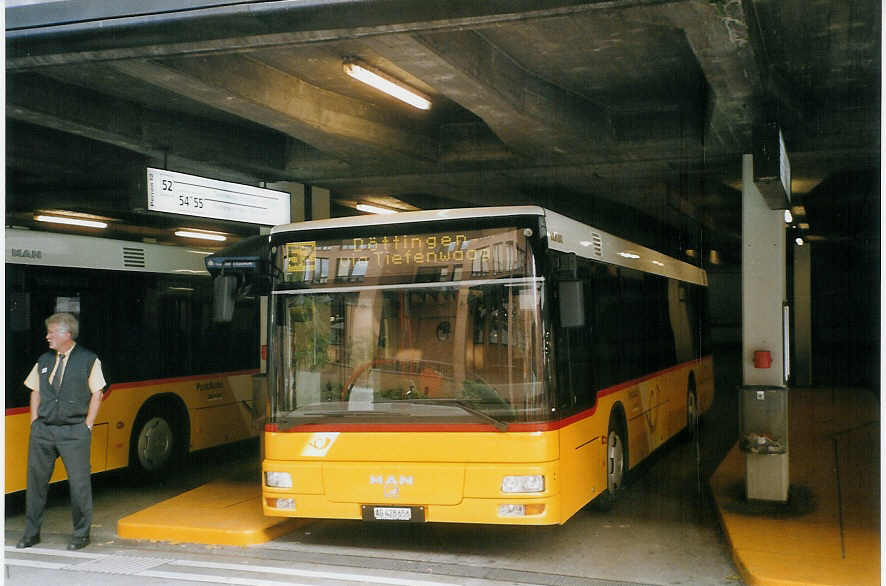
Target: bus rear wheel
column 157, row 441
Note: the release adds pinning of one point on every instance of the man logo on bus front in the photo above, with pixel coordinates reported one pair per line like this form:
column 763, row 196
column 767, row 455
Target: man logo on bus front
column 391, row 483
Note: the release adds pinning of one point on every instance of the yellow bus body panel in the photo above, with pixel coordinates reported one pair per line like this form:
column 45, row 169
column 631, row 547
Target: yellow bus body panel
column 219, row 411
column 456, row 476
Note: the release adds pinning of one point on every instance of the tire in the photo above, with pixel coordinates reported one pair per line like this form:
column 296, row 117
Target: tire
column 158, row 441
column 693, row 420
column 616, row 464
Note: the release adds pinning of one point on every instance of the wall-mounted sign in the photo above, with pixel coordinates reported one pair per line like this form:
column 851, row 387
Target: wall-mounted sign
column 190, row 195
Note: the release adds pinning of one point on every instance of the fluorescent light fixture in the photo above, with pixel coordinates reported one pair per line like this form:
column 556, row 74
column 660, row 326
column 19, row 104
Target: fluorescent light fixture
column 71, row 221
column 385, row 83
column 788, row 218
column 371, row 209
column 200, row 235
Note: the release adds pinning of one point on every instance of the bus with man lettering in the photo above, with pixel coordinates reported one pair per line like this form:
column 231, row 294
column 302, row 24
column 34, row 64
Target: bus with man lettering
column 490, row 365
column 178, row 381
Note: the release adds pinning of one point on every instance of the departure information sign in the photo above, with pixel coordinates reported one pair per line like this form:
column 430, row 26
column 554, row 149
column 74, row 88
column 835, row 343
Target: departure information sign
column 178, row 193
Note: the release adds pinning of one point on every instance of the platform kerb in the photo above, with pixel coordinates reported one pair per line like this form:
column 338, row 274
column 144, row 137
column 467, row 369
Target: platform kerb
column 222, row 512
column 828, row 533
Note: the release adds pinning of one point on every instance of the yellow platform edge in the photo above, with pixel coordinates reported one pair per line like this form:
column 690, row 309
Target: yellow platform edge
column 805, row 545
column 221, row 512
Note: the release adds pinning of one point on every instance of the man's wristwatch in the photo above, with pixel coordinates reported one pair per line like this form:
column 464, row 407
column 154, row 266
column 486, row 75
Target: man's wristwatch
column 89, row 426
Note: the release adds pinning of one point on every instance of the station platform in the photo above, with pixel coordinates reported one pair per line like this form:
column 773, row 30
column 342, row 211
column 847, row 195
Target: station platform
column 221, row 512
column 828, row 532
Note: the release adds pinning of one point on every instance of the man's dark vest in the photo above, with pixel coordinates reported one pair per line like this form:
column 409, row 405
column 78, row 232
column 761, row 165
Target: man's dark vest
column 70, row 403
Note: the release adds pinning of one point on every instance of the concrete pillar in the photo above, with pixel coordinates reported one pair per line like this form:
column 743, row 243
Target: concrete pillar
column 802, row 367
column 321, row 206
column 764, row 288
column 300, row 196
column 764, row 282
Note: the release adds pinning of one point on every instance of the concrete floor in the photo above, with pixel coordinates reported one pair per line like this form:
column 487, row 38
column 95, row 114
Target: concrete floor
column 664, row 531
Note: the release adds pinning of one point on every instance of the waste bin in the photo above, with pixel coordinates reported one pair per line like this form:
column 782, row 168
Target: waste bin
column 764, row 438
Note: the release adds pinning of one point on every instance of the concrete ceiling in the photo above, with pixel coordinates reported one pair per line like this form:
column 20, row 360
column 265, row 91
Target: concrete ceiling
column 630, row 114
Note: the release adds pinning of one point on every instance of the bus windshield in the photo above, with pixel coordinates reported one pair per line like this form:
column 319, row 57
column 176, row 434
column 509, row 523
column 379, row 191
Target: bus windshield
column 433, row 327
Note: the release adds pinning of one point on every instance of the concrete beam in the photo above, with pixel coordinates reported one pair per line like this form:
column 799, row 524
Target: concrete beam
column 718, row 34
column 531, row 116
column 340, row 126
column 186, row 144
column 37, row 37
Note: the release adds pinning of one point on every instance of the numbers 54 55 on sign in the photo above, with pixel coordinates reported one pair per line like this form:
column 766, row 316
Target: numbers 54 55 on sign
column 190, row 201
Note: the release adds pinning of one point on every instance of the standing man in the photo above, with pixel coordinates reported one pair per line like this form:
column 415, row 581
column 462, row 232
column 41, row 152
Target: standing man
column 66, row 392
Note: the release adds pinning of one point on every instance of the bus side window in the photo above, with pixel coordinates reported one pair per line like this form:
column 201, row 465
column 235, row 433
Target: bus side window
column 575, row 367
column 606, row 321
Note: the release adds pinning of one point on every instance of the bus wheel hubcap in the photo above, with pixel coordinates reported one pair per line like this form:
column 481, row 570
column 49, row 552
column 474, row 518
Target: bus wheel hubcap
column 154, row 444
column 615, row 462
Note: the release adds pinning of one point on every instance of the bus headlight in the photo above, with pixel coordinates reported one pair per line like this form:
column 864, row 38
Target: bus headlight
column 529, row 483
column 278, row 479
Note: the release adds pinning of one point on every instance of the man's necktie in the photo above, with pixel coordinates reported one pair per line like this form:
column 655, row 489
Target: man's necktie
column 56, row 381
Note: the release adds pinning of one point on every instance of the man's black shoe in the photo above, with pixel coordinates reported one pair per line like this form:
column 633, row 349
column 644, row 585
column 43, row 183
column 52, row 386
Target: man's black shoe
column 27, row 542
column 78, row 543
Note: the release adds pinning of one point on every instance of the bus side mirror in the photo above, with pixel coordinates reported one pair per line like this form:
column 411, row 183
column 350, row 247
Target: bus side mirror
column 223, row 300
column 572, row 304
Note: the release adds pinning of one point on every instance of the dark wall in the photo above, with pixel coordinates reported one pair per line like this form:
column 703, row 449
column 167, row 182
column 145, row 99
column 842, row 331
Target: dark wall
column 846, row 280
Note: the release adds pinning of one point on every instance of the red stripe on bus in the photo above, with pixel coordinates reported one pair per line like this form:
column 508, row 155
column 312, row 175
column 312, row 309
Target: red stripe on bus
column 466, row 427
column 148, row 383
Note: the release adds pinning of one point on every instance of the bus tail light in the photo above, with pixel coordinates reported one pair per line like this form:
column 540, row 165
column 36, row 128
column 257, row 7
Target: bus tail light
column 515, row 510
column 281, row 503
column 529, row 483
column 278, row 479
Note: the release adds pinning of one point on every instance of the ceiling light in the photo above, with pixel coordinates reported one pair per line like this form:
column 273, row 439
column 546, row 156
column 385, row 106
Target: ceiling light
column 799, row 241
column 71, row 221
column 799, row 210
column 788, row 218
column 373, row 209
column 803, row 226
column 385, row 83
column 200, row 235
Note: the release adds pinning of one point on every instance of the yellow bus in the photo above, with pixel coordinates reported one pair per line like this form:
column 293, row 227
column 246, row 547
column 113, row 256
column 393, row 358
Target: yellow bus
column 177, row 380
column 490, row 365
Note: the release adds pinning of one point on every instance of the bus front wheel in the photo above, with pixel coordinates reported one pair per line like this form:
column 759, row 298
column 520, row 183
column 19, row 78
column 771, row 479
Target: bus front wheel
column 693, row 420
column 616, row 465
column 156, row 441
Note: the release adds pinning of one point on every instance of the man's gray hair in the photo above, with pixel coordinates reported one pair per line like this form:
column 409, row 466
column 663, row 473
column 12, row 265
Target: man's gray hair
column 64, row 321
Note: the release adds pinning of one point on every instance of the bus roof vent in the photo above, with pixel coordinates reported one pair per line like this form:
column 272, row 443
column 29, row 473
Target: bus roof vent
column 597, row 244
column 133, row 257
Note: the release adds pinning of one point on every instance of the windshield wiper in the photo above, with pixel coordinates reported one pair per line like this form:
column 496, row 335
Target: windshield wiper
column 498, row 423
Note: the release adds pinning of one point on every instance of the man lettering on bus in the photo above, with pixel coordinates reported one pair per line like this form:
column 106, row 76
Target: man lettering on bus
column 66, row 393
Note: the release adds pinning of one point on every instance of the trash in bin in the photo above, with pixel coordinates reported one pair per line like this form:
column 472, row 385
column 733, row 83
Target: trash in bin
column 761, row 443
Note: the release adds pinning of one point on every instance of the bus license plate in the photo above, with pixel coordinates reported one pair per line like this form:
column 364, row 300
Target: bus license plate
column 384, row 513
